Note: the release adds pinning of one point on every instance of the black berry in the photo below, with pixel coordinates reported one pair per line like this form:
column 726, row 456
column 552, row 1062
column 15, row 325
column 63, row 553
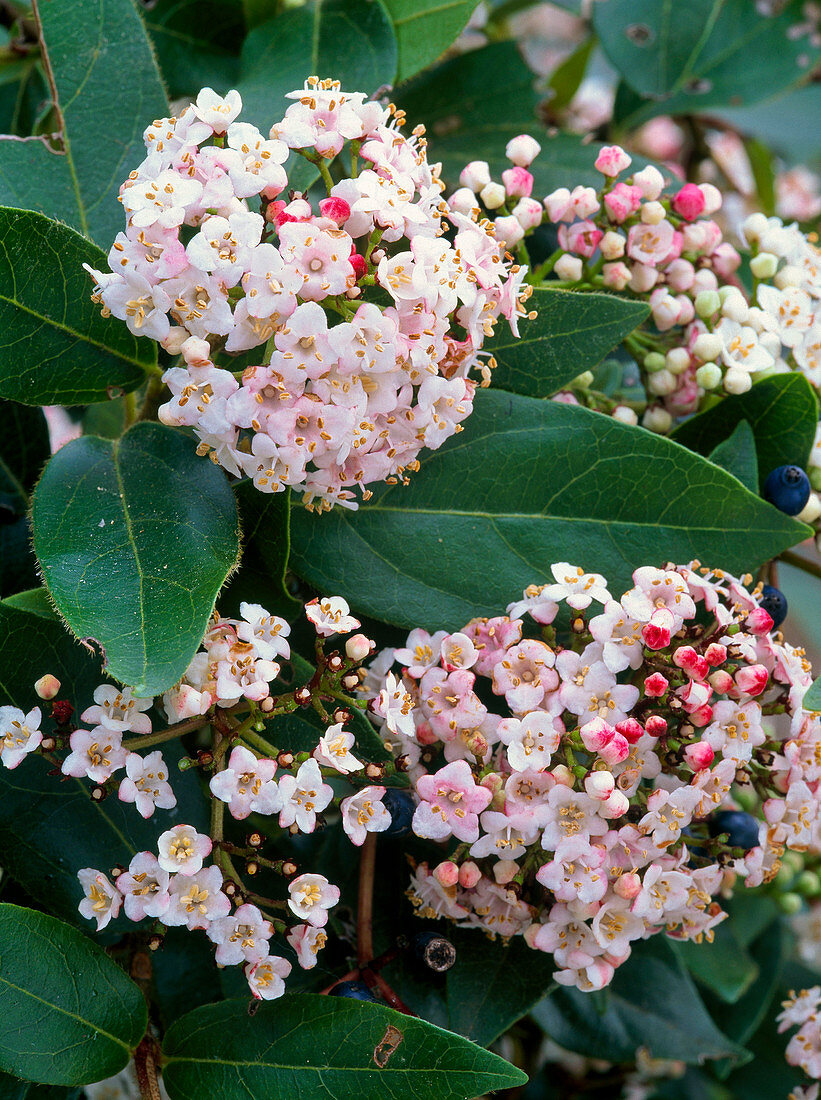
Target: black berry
column 774, row 603
column 400, row 805
column 788, row 488
column 741, row 828
column 357, row 991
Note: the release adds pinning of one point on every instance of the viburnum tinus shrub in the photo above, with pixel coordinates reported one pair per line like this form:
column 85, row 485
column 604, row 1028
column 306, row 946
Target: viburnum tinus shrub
column 365, row 702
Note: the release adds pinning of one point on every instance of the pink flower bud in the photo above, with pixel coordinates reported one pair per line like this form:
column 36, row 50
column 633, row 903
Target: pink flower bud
column 358, row 647
column 505, row 870
column 615, row 805
column 680, row 275
column 518, row 182
column 338, row 210
column 596, row 734
column 699, row 755
column 643, row 277
column 689, row 202
column 655, row 725
column 759, row 622
column 720, row 681
column 616, row 276
column 615, row 750
column 584, row 202
column 463, row 200
column 475, row 175
column 655, row 636
column 47, row 686
column 622, row 201
column 627, row 886
column 725, row 260
column 522, row 150
column 656, row 685
column 631, row 730
column 425, row 734
column 359, row 265
column 712, row 198
column 528, row 213
column 447, row 873
column 557, row 203
column 694, row 694
column 715, row 654
column 508, row 230
column 702, row 716
column 581, row 238
column 469, row 875
column 692, row 662
column 650, row 181
column 611, row 160
column 563, row 775
column 599, row 785
column 752, row 679
column 274, row 209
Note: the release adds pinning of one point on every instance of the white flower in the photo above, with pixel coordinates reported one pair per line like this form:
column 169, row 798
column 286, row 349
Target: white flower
column 575, row 586
column 307, row 941
column 364, row 813
column 95, row 753
column 505, row 837
column 331, row 615
column 532, row 740
column 742, row 348
column 224, row 246
column 266, row 977
column 116, row 709
column 162, row 201
column 217, row 111
column 146, row 783
column 614, row 926
column 182, row 849
column 311, row 896
column 303, row 796
column 267, row 633
column 334, row 750
column 788, row 312
column 241, row 937
column 144, row 887
column 19, row 734
column 395, row 705
column 102, row 900
column 247, row 785
column 197, row 900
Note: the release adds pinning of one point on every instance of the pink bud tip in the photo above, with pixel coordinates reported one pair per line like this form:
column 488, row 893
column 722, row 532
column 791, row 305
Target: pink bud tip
column 689, row 202
column 469, row 875
column 631, row 730
column 699, row 755
column 627, row 886
column 447, row 873
column 47, row 686
column 656, row 725
column 338, row 210
column 715, row 654
column 358, row 647
column 656, row 685
column 759, row 622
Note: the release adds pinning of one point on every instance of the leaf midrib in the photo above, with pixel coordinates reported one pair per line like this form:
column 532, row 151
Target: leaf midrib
column 65, row 1012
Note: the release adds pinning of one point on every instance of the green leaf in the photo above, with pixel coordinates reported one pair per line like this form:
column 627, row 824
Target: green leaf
column 24, row 448
column 782, row 412
column 77, row 180
column 650, row 1003
column 708, row 53
column 737, row 455
column 323, row 1047
column 135, row 537
column 723, row 966
column 425, row 28
column 265, row 523
column 68, row 1014
column 197, row 43
column 812, row 696
column 571, row 334
column 349, row 40
column 762, row 162
column 781, row 123
column 567, row 77
column 529, row 483
column 55, row 347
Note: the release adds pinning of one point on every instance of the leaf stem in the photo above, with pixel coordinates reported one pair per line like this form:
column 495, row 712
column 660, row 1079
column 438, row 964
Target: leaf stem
column 170, row 734
column 801, row 563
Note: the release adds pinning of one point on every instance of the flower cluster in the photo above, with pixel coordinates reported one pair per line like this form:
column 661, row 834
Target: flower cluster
column 630, row 237
column 227, row 686
column 597, row 802
column 348, row 389
column 804, row 1048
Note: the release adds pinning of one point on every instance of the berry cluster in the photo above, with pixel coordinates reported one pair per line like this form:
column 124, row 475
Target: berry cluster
column 370, row 318
column 596, row 802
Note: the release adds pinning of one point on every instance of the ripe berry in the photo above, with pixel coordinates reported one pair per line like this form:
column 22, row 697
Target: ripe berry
column 357, row 991
column 741, row 828
column 774, row 603
column 788, row 488
column 400, row 805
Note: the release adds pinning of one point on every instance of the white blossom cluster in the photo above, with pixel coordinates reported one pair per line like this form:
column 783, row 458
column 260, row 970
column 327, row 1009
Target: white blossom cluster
column 370, row 318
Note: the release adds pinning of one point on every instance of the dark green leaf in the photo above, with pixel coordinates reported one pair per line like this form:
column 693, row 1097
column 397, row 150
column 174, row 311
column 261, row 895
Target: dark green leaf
column 135, row 537
column 349, row 40
column 789, row 124
column 571, row 334
column 723, row 966
column 89, row 57
column 762, row 162
column 68, row 1014
column 265, row 523
column 782, row 411
column 650, row 1003
column 705, row 54
column 566, row 78
column 737, row 455
column 55, row 347
column 812, row 696
column 24, row 448
column 522, row 488
column 197, row 43
column 323, row 1047
column 425, row 28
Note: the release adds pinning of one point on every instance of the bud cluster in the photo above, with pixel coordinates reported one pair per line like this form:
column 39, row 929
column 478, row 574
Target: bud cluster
column 370, row 318
column 595, row 802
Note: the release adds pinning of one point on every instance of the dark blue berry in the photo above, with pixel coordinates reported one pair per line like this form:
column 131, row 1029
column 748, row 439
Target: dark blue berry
column 788, row 488
column 436, row 952
column 400, row 805
column 357, row 991
column 741, row 828
column 774, row 603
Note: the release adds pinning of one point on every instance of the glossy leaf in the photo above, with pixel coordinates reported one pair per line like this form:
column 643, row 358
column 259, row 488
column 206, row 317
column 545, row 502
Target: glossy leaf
column 24, row 448
column 76, row 179
column 197, row 43
column 323, row 1047
column 425, row 28
column 723, row 966
column 529, row 483
column 135, row 538
column 812, row 696
column 68, row 1014
column 650, row 1003
column 55, row 347
column 737, row 455
column 702, row 55
column 349, row 40
column 782, row 412
column 571, row 333
column 13, row 1089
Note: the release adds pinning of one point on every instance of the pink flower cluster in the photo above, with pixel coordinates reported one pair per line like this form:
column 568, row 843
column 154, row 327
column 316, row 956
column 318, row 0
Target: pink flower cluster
column 804, row 1048
column 348, row 390
column 578, row 808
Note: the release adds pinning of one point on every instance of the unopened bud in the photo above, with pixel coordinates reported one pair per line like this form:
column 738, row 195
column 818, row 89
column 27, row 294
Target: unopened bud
column 707, row 304
column 469, row 875
column 358, row 647
column 47, row 686
column 505, row 870
column 563, row 775
column 493, row 195
column 656, row 725
column 764, row 265
column 285, row 759
column 709, row 376
column 599, row 785
column 707, row 346
column 446, row 873
column 615, row 805
column 627, row 886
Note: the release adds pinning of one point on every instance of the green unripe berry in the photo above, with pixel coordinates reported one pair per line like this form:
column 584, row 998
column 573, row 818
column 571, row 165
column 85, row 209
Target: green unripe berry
column 707, row 304
column 709, row 376
column 784, row 877
column 654, row 361
column 808, row 883
column 790, row 904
